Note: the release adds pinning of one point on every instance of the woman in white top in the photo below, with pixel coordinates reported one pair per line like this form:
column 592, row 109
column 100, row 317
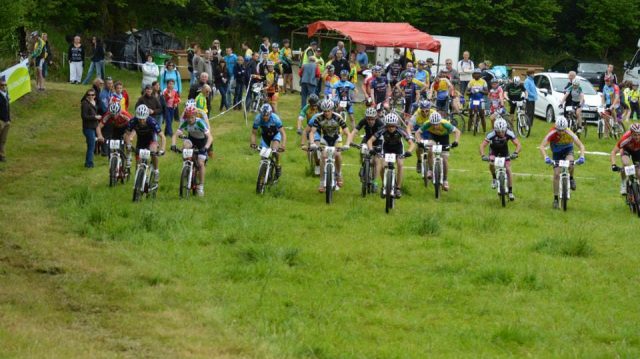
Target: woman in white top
column 150, row 72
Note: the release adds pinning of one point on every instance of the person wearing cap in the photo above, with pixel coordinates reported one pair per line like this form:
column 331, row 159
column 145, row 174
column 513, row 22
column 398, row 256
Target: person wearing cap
column 76, row 60
column 5, row 116
column 465, row 69
column 97, row 61
column 39, row 56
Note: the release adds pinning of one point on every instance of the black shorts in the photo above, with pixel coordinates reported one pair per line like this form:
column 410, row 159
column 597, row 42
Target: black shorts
column 198, row 143
column 286, row 68
column 441, row 105
column 635, row 156
column 398, row 149
column 144, row 142
column 441, row 140
column 118, row 133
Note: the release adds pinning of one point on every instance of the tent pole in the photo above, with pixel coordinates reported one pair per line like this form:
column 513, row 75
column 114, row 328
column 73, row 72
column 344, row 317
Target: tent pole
column 438, row 65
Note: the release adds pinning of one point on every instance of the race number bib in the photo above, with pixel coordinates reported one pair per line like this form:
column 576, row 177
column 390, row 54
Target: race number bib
column 389, row 157
column 265, row 152
column 499, row 162
column 564, row 164
column 187, row 153
column 145, row 154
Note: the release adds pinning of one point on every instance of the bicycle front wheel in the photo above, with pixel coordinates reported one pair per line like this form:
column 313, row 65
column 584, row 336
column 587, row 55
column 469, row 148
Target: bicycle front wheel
column 389, row 191
column 113, row 171
column 600, row 128
column 365, row 177
column 503, row 190
column 184, row 182
column 635, row 189
column 138, row 186
column 565, row 192
column 437, row 175
column 328, row 183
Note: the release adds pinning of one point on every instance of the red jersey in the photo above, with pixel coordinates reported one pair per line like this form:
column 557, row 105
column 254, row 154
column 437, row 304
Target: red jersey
column 119, row 121
column 628, row 144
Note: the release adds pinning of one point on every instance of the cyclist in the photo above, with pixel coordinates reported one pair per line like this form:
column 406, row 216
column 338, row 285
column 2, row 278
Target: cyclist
column 328, row 125
column 442, row 88
column 419, row 118
column 498, row 142
column 438, row 130
column 611, row 102
column 147, row 130
column 310, row 109
column 342, row 92
column 422, row 74
column 372, row 125
column 411, row 92
column 329, row 78
column 200, row 138
column 391, row 136
column 476, row 89
column 514, row 92
column 496, row 99
column 119, row 120
column 629, row 149
column 561, row 140
column 271, row 133
column 574, row 96
column 380, row 89
column 200, row 113
column 366, row 86
column 271, row 85
column 393, row 70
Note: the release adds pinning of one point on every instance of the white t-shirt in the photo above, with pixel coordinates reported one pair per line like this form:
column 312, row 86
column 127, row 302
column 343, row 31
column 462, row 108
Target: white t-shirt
column 465, row 70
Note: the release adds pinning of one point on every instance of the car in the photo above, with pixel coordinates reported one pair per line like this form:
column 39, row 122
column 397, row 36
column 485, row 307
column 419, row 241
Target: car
column 632, row 69
column 551, row 87
column 590, row 70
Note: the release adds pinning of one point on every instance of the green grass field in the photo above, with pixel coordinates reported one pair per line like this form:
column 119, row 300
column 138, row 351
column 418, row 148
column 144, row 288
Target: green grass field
column 84, row 272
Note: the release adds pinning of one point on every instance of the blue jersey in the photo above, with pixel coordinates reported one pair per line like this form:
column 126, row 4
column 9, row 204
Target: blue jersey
column 149, row 130
column 343, row 89
column 268, row 129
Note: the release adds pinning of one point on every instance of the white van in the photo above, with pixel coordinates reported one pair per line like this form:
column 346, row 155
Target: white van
column 632, row 69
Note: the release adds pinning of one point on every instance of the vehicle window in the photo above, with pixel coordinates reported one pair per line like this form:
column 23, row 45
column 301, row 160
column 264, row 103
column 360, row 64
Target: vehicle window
column 544, row 83
column 592, row 67
column 536, row 80
column 560, row 83
column 636, row 60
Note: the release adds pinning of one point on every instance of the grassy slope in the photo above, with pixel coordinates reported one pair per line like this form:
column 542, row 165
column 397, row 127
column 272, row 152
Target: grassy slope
column 85, row 272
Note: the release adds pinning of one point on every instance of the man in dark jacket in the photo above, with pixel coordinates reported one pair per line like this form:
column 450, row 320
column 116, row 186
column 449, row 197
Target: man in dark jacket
column 152, row 102
column 97, row 61
column 242, row 79
column 341, row 63
column 254, row 73
column 5, row 117
column 194, row 90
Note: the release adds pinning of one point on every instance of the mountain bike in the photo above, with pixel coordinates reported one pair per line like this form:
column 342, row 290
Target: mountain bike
column 313, row 157
column 633, row 188
column 258, row 97
column 389, row 180
column 118, row 163
column 367, row 169
column 522, row 120
column 616, row 128
column 329, row 181
column 564, row 190
column 267, row 169
column 189, row 175
column 455, row 119
column 146, row 181
column 502, row 177
column 342, row 109
column 474, row 116
column 573, row 122
column 437, row 167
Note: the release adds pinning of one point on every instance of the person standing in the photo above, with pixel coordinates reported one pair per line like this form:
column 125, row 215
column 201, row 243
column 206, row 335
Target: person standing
column 321, row 65
column 309, row 75
column 198, row 65
column 90, row 118
column 39, row 56
column 5, row 117
column 97, row 61
column 222, row 83
column 532, row 96
column 150, row 73
column 253, row 74
column 170, row 73
column 171, row 100
column 465, row 70
column 76, row 60
column 248, row 53
column 48, row 57
column 190, row 53
column 241, row 78
column 361, row 57
column 231, row 59
column 310, row 51
column 287, row 66
column 610, row 74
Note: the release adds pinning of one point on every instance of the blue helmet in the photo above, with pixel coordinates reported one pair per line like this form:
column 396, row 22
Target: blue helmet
column 266, row 110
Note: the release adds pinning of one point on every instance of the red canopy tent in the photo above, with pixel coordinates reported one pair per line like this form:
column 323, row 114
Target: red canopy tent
column 380, row 34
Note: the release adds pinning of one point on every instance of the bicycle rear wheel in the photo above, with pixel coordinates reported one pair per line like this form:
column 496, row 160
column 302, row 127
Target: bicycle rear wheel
column 503, row 190
column 184, row 182
column 600, row 128
column 436, row 177
column 113, row 171
column 476, row 123
column 262, row 175
column 565, row 192
column 138, row 185
column 388, row 203
column 311, row 158
column 328, row 184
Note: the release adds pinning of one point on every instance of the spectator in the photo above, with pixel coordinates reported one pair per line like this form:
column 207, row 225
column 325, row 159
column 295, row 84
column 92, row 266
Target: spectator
column 152, row 102
column 321, row 65
column 76, row 61
column 254, row 74
column 310, row 51
column 150, row 73
column 454, row 75
column 242, row 79
column 231, row 59
column 202, row 100
column 532, row 96
column 120, row 95
column 355, row 68
column 5, row 117
column 196, row 89
column 341, row 63
column 608, row 73
column 190, row 54
column 97, row 60
column 105, row 96
column 361, row 57
column 198, row 65
column 248, row 53
column 215, row 45
column 157, row 93
column 172, row 100
column 170, row 73
column 465, row 69
column 430, row 70
column 39, row 57
column 309, row 76
column 222, row 83
column 97, row 86
column 264, row 47
column 209, row 67
column 90, row 118
column 339, row 46
column 286, row 60
column 403, row 58
column 48, row 56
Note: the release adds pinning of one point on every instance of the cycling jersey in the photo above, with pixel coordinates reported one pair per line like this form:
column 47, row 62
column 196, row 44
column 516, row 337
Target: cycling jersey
column 271, row 79
column 370, row 130
column 201, row 102
column 393, row 70
column 379, row 86
column 476, row 87
column 392, row 141
column 343, row 90
column 514, row 92
column 147, row 133
column 634, row 95
column 442, row 87
column 367, row 84
column 308, row 111
column 269, row 130
column 498, row 145
column 198, row 130
column 419, row 118
column 628, row 143
column 329, row 128
column 495, row 95
column 445, row 128
column 422, row 76
column 561, row 141
column 329, row 81
column 409, row 90
column 120, row 120
column 575, row 93
column 610, row 92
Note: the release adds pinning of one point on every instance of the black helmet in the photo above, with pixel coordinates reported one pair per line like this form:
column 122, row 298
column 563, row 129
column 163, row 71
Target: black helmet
column 313, row 99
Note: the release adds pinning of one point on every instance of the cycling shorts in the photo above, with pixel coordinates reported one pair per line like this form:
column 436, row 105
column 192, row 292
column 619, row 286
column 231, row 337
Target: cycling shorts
column 441, row 105
column 331, row 141
column 562, row 154
column 398, row 149
column 200, row 143
column 439, row 139
column 263, row 142
column 145, row 143
column 635, row 156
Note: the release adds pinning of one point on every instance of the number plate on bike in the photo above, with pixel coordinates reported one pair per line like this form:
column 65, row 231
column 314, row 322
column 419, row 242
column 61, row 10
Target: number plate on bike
column 630, row 170
column 499, row 162
column 520, row 103
column 114, row 144
column 364, row 149
column 265, row 151
column 389, row 157
column 145, row 154
column 187, row 153
column 476, row 102
column 343, row 104
column 564, row 164
column 437, row 148
column 569, row 108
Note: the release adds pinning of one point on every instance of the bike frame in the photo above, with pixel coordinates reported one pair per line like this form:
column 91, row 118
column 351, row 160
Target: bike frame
column 564, row 166
column 390, row 165
column 436, row 157
column 500, row 168
column 115, row 147
column 330, row 160
column 187, row 155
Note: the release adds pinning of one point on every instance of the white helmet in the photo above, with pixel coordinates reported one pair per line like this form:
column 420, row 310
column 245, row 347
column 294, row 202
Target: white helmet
column 114, row 108
column 516, row 80
column 500, row 125
column 391, row 119
column 190, row 102
column 435, row 118
column 326, row 105
column 371, row 112
column 142, row 112
column 561, row 123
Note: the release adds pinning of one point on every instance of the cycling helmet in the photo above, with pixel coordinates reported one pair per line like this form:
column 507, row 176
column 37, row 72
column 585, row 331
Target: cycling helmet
column 326, row 105
column 190, row 111
column 635, row 128
column 114, row 108
column 444, row 71
column 516, row 80
column 142, row 112
column 344, row 72
column 330, row 68
column 275, row 45
column 575, row 82
column 430, row 59
column 422, row 62
column 266, row 110
column 477, row 71
column 190, row 102
column 494, row 81
column 371, row 112
column 408, row 75
column 500, row 125
column 435, row 118
column 561, row 123
column 396, row 57
column 313, row 100
column 34, row 34
column 377, row 68
column 391, row 119
column 270, row 63
column 425, row 104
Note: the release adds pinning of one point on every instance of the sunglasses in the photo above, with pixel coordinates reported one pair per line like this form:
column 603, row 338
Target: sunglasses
column 91, row 94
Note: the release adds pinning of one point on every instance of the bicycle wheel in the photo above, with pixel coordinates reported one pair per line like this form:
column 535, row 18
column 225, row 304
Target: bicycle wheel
column 457, row 120
column 312, row 162
column 503, row 190
column 425, row 169
column 372, row 170
column 476, row 123
column 584, row 128
column 113, row 171
column 152, row 187
column 365, row 177
column 436, row 179
column 523, row 120
column 600, row 128
column 565, row 192
column 328, row 183
column 635, row 189
column 262, row 175
column 138, row 185
column 389, row 190
column 194, row 180
column 184, row 182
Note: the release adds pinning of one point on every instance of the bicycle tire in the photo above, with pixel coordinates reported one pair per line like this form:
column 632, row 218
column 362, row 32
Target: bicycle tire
column 184, row 180
column 565, row 194
column 436, row 179
column 328, row 184
column 312, row 162
column 584, row 129
column 636, row 194
column 260, row 182
column 365, row 177
column 113, row 171
column 151, row 192
column 476, row 123
column 600, row 129
column 137, row 187
column 425, row 169
column 194, row 180
column 371, row 177
column 503, row 190
column 388, row 203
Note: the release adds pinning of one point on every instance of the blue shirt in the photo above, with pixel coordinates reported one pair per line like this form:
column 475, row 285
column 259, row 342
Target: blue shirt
column 342, row 90
column 231, row 63
column 362, row 59
column 532, row 92
column 421, row 75
column 268, row 128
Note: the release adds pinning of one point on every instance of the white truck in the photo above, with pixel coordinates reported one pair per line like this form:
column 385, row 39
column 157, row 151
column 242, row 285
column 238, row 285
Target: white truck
column 632, row 69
